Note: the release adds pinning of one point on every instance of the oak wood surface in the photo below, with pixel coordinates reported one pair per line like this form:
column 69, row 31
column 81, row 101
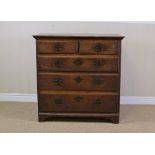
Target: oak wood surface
column 78, row 76
column 78, row 63
column 57, row 46
column 101, row 46
column 78, row 103
column 77, row 35
column 78, row 81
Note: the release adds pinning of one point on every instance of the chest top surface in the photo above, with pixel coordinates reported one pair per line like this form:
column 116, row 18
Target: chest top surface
column 78, row 35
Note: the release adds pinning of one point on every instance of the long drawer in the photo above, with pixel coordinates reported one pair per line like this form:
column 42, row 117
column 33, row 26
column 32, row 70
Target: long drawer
column 78, row 63
column 78, row 81
column 91, row 102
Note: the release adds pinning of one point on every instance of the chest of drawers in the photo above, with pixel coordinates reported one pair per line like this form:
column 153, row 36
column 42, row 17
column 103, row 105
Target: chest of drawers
column 78, row 76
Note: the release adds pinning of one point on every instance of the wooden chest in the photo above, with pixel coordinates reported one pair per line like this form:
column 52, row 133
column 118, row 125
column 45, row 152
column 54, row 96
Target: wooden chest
column 78, row 76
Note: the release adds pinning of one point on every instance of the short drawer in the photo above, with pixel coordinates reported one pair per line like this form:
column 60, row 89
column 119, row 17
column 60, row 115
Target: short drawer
column 79, row 102
column 78, row 63
column 57, row 46
column 78, row 81
column 100, row 46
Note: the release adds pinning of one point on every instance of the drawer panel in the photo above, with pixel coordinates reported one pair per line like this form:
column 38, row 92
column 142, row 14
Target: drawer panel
column 78, row 81
column 79, row 102
column 57, row 46
column 99, row 46
column 78, row 63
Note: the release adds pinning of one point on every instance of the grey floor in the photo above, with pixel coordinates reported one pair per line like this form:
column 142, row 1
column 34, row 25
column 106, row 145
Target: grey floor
column 22, row 117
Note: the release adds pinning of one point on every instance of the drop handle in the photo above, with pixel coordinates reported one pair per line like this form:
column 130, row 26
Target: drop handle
column 58, row 81
column 98, row 101
column 58, row 47
column 99, row 63
column 78, row 98
column 78, row 62
column 99, row 47
column 58, row 101
column 59, row 63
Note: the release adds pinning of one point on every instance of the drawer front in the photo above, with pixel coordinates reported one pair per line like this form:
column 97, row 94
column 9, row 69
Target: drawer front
column 80, row 102
column 57, row 46
column 99, row 47
column 78, row 63
column 78, row 81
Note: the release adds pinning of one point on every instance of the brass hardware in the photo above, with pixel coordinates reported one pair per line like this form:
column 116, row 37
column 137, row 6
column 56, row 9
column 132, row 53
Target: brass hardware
column 58, row 101
column 58, row 81
column 99, row 47
column 98, row 81
column 99, row 63
column 99, row 101
column 58, row 47
column 78, row 79
column 78, row 98
column 59, row 63
column 78, row 62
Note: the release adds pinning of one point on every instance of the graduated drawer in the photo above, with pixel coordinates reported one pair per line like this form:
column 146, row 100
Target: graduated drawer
column 79, row 46
column 78, row 81
column 78, row 63
column 90, row 102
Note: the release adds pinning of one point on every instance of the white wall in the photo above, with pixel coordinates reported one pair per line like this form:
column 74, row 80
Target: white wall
column 17, row 53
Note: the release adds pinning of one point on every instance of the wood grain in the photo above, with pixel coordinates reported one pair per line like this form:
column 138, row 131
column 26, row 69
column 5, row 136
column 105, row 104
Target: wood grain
column 86, row 103
column 78, row 81
column 78, row 76
column 78, row 63
column 58, row 46
column 107, row 47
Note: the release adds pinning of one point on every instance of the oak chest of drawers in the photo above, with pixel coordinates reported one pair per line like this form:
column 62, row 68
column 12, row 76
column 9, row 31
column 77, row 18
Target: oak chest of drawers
column 78, row 76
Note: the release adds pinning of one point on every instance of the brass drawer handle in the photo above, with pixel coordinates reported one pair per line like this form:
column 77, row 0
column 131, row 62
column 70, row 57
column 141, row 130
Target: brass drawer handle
column 99, row 101
column 99, row 63
column 78, row 62
column 59, row 63
column 58, row 81
column 98, row 81
column 58, row 101
column 78, row 98
column 99, row 47
column 58, row 47
column 78, row 79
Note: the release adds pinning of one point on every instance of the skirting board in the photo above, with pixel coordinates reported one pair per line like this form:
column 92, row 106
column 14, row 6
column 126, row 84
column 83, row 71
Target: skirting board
column 134, row 100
